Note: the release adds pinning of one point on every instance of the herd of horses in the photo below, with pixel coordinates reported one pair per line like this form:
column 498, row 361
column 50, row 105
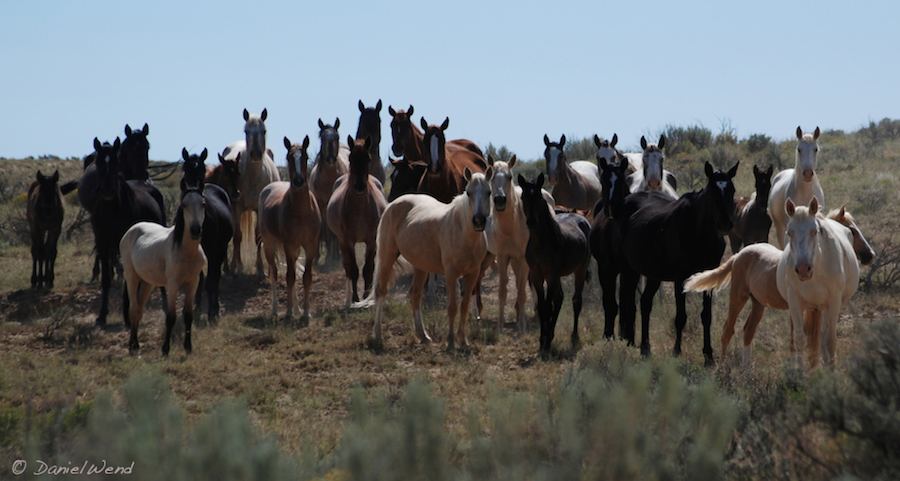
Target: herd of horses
column 454, row 212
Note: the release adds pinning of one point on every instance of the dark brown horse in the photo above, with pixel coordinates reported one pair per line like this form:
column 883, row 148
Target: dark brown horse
column 405, row 177
column 45, row 215
column 353, row 213
column 444, row 176
column 752, row 221
column 370, row 127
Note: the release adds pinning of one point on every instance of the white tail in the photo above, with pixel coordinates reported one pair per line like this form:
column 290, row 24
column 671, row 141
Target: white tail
column 712, row 279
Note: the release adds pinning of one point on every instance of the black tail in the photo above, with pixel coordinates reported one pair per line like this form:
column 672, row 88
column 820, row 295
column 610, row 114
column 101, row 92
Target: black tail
column 68, row 187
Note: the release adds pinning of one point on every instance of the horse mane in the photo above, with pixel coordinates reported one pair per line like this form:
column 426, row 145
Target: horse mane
column 179, row 227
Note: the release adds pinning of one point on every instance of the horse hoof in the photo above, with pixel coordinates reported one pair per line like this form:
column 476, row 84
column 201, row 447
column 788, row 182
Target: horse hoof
column 375, row 344
column 165, row 350
column 304, row 320
column 645, row 351
column 100, row 322
column 187, row 346
column 709, row 362
column 576, row 343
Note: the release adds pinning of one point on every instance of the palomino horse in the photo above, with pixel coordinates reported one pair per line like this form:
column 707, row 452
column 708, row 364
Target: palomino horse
column 576, row 184
column 257, row 170
column 557, row 246
column 752, row 222
column 753, row 275
column 289, row 218
column 45, row 215
column 171, row 257
column 799, row 184
column 667, row 240
column 649, row 174
column 444, row 176
column 817, row 274
column 405, row 177
column 434, row 237
column 370, row 126
column 353, row 213
column 332, row 161
column 218, row 227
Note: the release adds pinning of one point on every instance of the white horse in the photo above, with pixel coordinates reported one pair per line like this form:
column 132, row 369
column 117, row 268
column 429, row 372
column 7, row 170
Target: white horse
column 171, row 257
column 799, row 184
column 817, row 274
column 434, row 238
column 648, row 173
column 257, row 169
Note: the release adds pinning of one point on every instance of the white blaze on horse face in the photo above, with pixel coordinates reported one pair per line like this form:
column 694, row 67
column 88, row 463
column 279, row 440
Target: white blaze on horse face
column 653, row 169
column 554, row 160
column 807, row 158
column 721, row 184
column 607, row 153
column 298, row 157
column 434, row 152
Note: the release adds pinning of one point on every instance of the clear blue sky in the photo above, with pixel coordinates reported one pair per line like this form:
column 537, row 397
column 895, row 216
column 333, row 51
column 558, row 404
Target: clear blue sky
column 505, row 72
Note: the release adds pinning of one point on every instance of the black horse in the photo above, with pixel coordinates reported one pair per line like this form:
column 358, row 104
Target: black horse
column 666, row 240
column 405, row 177
column 752, row 221
column 557, row 247
column 119, row 204
column 217, row 227
column 370, row 126
column 606, row 238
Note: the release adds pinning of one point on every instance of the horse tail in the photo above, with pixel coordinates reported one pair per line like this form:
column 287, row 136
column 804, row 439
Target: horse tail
column 712, row 279
column 68, row 187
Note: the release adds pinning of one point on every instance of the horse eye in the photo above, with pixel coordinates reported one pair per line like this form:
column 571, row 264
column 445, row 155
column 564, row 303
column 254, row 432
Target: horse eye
column 799, row 149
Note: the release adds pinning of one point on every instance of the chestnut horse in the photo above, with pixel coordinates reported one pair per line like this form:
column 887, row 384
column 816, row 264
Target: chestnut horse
column 370, row 126
column 444, row 176
column 353, row 213
column 289, row 218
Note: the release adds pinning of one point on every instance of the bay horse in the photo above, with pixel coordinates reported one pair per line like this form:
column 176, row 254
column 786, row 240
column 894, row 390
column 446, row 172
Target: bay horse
column 444, row 176
column 405, row 177
column 332, row 161
column 576, row 184
column 752, row 221
column 370, row 126
column 169, row 257
column 667, row 240
column 799, row 184
column 408, row 140
column 353, row 213
column 257, row 170
column 290, row 219
column 44, row 212
column 436, row 238
column 649, row 173
column 119, row 204
column 218, row 226
column 557, row 247
column 753, row 275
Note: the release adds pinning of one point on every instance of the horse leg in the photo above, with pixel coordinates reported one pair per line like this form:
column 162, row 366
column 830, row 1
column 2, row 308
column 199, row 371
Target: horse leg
column 169, row 308
column 95, row 272
column 369, row 267
column 415, row 302
column 140, row 294
column 126, row 308
column 580, row 276
column 351, row 269
column 257, row 241
column 468, row 282
column 188, row 312
column 737, row 298
column 387, row 254
column 236, row 264
column 541, row 303
column 555, row 294
column 706, row 318
column 828, row 338
column 35, row 259
column 105, row 282
column 680, row 316
column 452, row 306
column 607, row 278
column 503, row 268
column 812, row 324
column 756, row 312
column 308, row 264
column 735, row 242
column 213, row 279
column 520, row 269
column 291, row 276
column 273, row 279
column 478, row 307
column 628, row 281
column 201, row 285
column 54, row 242
column 650, row 288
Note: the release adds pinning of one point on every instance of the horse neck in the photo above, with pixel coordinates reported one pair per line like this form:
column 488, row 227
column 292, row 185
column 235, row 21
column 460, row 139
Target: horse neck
column 565, row 174
column 414, row 144
column 703, row 218
column 762, row 198
column 459, row 208
column 513, row 215
column 546, row 230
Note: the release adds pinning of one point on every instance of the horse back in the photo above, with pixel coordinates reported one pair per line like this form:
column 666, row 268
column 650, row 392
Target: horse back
column 149, row 204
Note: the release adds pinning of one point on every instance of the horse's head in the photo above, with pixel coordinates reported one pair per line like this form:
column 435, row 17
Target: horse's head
column 653, row 158
column 554, row 156
column 433, row 143
column 606, row 150
column 401, row 129
column 861, row 247
column 803, row 237
column 298, row 161
column 255, row 134
column 108, row 172
column 135, row 153
column 763, row 180
column 614, row 184
column 370, row 126
column 719, row 195
column 191, row 212
column 478, row 192
column 501, row 182
column 533, row 202
column 49, row 190
column 329, row 141
column 807, row 154
column 231, row 175
column 405, row 177
column 359, row 163
column 194, row 168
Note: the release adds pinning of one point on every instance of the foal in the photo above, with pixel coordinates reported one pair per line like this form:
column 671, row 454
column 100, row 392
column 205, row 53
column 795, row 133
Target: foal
column 170, row 257
column 45, row 215
column 752, row 221
column 289, row 218
column 557, row 246
column 799, row 184
column 353, row 213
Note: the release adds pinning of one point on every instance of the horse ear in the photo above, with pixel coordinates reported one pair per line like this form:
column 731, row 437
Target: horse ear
column 842, row 212
column 490, row 159
column 512, row 161
column 423, row 123
column 287, row 143
column 540, row 180
column 337, row 123
column 38, row 176
column 362, row 107
column 221, row 158
column 391, row 110
column 789, row 207
column 184, row 154
column 55, row 179
column 410, row 111
column 662, row 142
column 643, row 143
column 305, row 143
column 614, row 141
column 378, row 106
column 769, row 170
column 446, row 123
column 127, row 130
column 562, row 140
column 350, row 141
column 813, row 206
column 367, row 143
column 97, row 144
column 733, row 171
column 203, row 154
column 799, row 133
column 321, row 124
column 468, row 174
column 237, row 158
column 263, row 115
column 489, row 173
column 816, row 133
column 597, row 141
column 708, row 168
column 117, row 144
column 246, row 115
column 756, row 171
column 146, row 129
column 521, row 180
column 546, row 140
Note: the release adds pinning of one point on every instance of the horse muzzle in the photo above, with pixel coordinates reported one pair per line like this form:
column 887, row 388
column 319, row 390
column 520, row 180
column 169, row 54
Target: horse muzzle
column 500, row 203
column 297, row 182
column 804, row 271
column 654, row 184
column 866, row 257
column 196, row 231
column 808, row 175
column 478, row 222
